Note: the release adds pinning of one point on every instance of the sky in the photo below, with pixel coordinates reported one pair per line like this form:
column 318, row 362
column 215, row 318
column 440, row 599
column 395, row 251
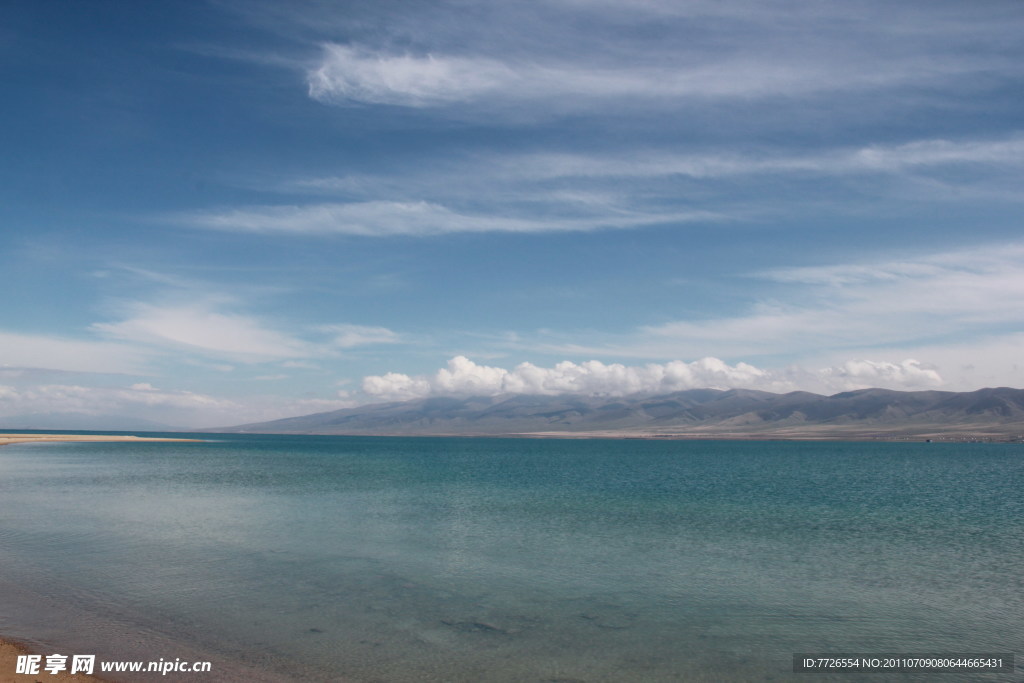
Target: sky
column 226, row 211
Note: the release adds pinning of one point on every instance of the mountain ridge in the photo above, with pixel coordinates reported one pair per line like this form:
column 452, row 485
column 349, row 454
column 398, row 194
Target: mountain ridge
column 696, row 413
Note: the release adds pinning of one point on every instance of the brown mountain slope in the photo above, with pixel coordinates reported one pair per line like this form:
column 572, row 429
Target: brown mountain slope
column 738, row 413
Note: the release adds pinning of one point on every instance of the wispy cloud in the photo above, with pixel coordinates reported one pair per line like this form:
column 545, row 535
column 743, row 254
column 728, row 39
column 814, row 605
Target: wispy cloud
column 180, row 408
column 850, row 308
column 581, row 191
column 207, row 329
column 60, row 398
column 350, row 336
column 937, row 293
column 917, row 154
column 355, row 74
column 69, row 354
column 199, row 328
column 418, row 218
column 559, row 55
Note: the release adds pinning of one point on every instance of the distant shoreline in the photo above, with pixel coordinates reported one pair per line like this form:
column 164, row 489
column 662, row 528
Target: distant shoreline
column 1014, row 436
column 805, row 435
column 51, row 438
column 853, row 435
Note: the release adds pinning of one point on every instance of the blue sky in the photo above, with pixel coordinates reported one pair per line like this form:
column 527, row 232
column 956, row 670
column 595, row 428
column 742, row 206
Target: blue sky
column 217, row 212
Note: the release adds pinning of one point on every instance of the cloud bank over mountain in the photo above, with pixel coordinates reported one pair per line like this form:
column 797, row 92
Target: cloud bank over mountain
column 463, row 377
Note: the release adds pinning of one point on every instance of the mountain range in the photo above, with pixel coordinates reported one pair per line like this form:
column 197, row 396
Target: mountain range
column 697, row 413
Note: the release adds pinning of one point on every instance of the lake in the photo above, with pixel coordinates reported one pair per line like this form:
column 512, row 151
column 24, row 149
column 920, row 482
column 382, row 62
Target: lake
column 440, row 559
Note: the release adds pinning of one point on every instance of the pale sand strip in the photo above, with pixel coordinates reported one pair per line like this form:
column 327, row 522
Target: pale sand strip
column 33, row 438
column 9, row 652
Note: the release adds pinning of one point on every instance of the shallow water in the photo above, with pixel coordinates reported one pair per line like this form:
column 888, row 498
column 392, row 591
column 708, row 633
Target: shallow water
column 406, row 559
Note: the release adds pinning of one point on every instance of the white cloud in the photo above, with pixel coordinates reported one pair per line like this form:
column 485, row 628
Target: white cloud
column 62, row 353
column 199, row 328
column 864, row 374
column 1005, row 258
column 202, row 329
column 395, row 386
column 935, row 153
column 358, row 74
column 916, row 154
column 299, row 365
column 173, row 407
column 563, row 192
column 463, row 377
column 62, row 398
column 349, row 336
column 913, row 155
column 986, row 361
column 937, row 293
column 390, row 218
column 848, row 309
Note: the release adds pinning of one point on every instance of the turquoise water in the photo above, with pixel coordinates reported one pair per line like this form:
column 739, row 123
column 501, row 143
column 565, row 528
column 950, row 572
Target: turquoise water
column 405, row 559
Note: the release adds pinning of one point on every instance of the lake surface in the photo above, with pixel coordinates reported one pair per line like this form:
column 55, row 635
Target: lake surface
column 434, row 559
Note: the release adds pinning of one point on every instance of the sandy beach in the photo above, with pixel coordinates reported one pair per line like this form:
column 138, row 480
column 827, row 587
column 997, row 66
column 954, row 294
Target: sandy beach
column 9, row 652
column 49, row 438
